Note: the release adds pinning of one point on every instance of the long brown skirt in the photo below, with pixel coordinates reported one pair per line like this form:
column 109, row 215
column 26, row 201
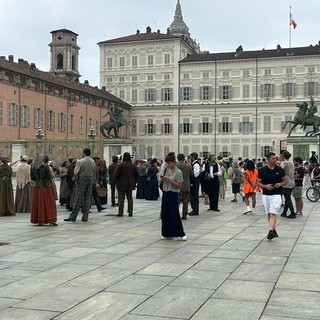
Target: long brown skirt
column 23, row 199
column 43, row 206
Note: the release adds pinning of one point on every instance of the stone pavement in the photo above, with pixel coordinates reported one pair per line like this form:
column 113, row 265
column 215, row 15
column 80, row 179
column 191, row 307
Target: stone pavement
column 118, row 268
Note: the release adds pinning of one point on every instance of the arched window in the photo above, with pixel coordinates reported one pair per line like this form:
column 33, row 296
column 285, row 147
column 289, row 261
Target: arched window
column 60, row 61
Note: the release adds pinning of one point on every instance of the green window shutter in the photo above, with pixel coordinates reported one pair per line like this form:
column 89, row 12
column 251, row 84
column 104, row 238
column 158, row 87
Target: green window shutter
column 16, row 115
column 53, row 121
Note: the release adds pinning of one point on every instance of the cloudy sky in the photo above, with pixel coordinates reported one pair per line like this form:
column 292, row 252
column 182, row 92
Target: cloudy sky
column 219, row 26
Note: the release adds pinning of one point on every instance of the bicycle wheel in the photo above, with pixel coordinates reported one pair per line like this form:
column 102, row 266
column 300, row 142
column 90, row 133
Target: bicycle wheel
column 313, row 194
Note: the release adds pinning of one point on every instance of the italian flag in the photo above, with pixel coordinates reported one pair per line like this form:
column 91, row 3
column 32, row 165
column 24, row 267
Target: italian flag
column 292, row 22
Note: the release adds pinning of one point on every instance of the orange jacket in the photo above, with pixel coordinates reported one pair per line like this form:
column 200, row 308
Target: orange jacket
column 250, row 181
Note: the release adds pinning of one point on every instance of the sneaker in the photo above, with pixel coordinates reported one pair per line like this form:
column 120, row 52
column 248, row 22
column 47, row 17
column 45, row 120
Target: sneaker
column 271, row 235
column 184, row 238
column 247, row 211
column 234, row 200
column 275, row 233
column 283, row 215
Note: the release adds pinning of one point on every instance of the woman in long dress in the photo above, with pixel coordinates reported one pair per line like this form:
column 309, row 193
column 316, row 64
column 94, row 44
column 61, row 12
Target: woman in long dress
column 152, row 185
column 141, row 185
column 63, row 192
column 6, row 189
column 43, row 206
column 23, row 189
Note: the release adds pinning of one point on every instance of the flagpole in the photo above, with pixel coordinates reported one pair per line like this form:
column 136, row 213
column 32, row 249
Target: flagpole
column 290, row 17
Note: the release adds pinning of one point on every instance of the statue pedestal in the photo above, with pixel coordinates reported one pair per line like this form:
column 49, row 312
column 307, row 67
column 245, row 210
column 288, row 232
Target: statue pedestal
column 301, row 146
column 116, row 147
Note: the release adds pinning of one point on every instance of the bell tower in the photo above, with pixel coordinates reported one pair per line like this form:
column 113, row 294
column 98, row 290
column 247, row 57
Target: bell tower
column 64, row 52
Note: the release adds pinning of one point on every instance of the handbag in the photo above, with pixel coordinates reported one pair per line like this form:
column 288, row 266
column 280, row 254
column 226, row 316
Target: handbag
column 161, row 183
column 102, row 192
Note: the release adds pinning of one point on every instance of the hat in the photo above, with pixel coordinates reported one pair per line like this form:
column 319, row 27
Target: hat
column 25, row 158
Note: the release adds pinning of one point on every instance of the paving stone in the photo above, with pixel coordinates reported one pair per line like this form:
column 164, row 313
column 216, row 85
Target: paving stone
column 299, row 281
column 230, row 310
column 230, row 254
column 6, row 303
column 244, row 290
column 217, row 264
column 25, row 314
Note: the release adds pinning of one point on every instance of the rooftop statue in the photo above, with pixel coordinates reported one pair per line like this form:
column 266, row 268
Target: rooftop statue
column 115, row 122
column 305, row 116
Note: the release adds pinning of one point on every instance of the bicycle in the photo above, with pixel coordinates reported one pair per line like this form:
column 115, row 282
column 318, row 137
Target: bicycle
column 313, row 193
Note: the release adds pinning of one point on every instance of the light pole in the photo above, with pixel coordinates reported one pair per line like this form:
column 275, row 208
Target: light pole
column 91, row 136
column 39, row 136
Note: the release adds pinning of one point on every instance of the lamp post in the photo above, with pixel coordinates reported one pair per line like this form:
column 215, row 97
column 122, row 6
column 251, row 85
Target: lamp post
column 39, row 136
column 91, row 136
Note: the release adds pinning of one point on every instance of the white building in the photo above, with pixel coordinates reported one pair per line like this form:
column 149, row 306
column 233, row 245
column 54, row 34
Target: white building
column 184, row 100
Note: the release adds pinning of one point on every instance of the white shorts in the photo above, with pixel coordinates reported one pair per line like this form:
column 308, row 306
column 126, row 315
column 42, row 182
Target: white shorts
column 272, row 204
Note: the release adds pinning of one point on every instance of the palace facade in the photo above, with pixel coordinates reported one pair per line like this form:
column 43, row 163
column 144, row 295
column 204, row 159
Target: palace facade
column 184, row 100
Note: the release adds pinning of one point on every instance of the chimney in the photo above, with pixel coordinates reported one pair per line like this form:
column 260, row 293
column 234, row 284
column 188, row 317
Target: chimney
column 20, row 61
column 10, row 58
column 3, row 57
column 86, row 82
column 33, row 65
column 138, row 31
column 148, row 30
column 103, row 88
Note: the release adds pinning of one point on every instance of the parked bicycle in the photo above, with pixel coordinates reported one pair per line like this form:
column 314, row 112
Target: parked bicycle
column 313, row 192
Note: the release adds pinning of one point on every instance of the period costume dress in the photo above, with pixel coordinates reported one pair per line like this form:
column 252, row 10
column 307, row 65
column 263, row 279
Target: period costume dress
column 141, row 185
column 6, row 190
column 152, row 185
column 64, row 192
column 43, row 206
column 23, row 190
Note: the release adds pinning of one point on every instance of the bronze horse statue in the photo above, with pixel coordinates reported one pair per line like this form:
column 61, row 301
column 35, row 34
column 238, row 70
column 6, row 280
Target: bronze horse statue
column 301, row 119
column 116, row 121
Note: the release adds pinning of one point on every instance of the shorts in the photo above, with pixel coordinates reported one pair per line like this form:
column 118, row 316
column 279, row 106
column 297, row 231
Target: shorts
column 272, row 204
column 297, row 192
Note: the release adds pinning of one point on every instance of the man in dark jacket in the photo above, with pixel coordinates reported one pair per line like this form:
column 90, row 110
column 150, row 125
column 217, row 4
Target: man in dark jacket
column 112, row 180
column 126, row 176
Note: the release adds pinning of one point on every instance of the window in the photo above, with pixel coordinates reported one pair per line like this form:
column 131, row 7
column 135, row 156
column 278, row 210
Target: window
column 134, row 78
column 167, row 58
column 185, row 93
column 121, row 79
column 205, row 93
column 225, row 152
column 245, row 126
column 150, row 95
column 205, row 152
column 225, row 126
column 267, row 123
column 205, row 126
column 205, row 75
column 310, row 89
column 267, row 72
column 167, row 94
column 109, row 62
column 245, row 91
column 186, row 76
column 288, row 126
column 150, row 77
column 225, row 73
column 166, row 127
column 38, row 118
column 150, row 60
column 61, row 122
column 81, row 125
column 134, row 61
column 266, row 150
column 289, row 71
column 267, row 90
column 311, row 69
column 13, row 114
column 186, row 126
column 225, row 92
column 121, row 94
column 246, row 73
column 150, row 127
column 25, row 117
column 50, row 120
column 121, row 62
column 288, row 89
column 59, row 61
column 134, row 126
column 71, row 123
column 134, row 95
column 1, row 112
column 166, row 76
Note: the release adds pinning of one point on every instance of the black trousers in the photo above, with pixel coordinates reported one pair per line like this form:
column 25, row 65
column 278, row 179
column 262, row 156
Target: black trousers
column 287, row 200
column 113, row 195
column 194, row 196
column 96, row 197
column 213, row 191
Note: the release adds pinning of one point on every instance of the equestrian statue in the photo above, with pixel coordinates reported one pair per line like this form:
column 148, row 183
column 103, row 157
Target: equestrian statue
column 115, row 122
column 305, row 116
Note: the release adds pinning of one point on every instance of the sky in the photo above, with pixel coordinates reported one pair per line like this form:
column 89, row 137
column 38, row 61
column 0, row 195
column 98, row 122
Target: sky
column 219, row 26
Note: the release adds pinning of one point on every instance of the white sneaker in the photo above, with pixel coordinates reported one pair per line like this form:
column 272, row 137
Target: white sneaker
column 184, row 238
column 247, row 211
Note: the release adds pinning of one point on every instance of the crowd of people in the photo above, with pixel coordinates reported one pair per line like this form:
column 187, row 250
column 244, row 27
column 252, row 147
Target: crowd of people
column 84, row 182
